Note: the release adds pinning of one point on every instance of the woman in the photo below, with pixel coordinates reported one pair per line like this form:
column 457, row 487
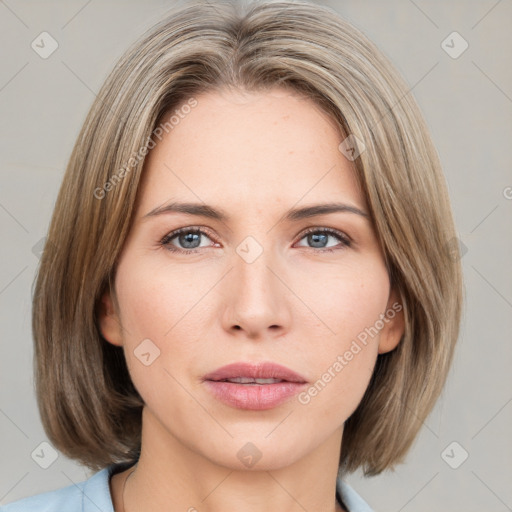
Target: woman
column 249, row 288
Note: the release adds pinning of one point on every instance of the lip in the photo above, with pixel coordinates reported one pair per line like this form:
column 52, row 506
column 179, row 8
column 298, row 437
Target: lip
column 254, row 396
column 263, row 370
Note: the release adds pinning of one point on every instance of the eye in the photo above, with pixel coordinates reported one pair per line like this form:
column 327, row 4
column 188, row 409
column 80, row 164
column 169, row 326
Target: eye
column 319, row 238
column 189, row 239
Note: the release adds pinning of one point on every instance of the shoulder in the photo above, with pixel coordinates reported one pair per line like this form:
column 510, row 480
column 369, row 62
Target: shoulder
column 351, row 498
column 87, row 496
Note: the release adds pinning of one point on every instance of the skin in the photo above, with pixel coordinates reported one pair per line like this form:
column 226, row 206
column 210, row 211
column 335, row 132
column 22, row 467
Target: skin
column 255, row 155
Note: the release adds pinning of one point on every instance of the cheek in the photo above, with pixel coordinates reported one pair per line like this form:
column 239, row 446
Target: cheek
column 149, row 310
column 352, row 302
column 161, row 311
column 347, row 299
column 155, row 297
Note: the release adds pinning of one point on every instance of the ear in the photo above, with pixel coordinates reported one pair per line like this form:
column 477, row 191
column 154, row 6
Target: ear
column 394, row 323
column 108, row 320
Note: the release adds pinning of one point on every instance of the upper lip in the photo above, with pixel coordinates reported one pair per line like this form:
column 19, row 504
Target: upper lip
column 262, row 370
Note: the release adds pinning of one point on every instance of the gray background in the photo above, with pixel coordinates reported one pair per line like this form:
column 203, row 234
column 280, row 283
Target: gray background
column 467, row 102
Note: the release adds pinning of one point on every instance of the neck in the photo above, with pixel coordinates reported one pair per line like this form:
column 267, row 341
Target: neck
column 171, row 476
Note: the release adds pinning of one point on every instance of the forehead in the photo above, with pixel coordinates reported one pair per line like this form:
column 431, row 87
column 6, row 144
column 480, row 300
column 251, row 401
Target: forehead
column 250, row 148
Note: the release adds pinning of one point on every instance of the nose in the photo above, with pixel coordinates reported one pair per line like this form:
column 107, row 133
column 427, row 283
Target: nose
column 256, row 298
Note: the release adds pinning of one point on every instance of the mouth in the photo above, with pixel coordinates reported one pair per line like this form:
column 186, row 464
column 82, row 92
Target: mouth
column 254, row 386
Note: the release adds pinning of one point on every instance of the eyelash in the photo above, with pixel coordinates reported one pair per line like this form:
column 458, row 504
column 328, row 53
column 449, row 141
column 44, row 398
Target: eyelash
column 165, row 241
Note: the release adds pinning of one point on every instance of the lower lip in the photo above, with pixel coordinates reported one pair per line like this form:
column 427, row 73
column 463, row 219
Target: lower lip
column 256, row 397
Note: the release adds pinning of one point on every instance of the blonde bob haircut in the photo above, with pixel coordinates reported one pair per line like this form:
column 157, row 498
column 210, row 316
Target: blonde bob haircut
column 89, row 406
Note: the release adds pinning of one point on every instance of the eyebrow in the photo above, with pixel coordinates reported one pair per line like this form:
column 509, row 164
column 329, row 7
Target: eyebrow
column 294, row 214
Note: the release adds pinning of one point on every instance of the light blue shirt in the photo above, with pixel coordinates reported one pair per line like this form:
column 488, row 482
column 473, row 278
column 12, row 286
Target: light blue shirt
column 93, row 495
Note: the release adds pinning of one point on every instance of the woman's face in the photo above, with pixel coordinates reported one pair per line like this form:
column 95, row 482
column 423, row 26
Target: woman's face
column 305, row 290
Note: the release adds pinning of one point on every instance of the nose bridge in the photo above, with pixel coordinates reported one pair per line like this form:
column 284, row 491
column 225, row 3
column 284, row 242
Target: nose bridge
column 256, row 299
column 252, row 272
